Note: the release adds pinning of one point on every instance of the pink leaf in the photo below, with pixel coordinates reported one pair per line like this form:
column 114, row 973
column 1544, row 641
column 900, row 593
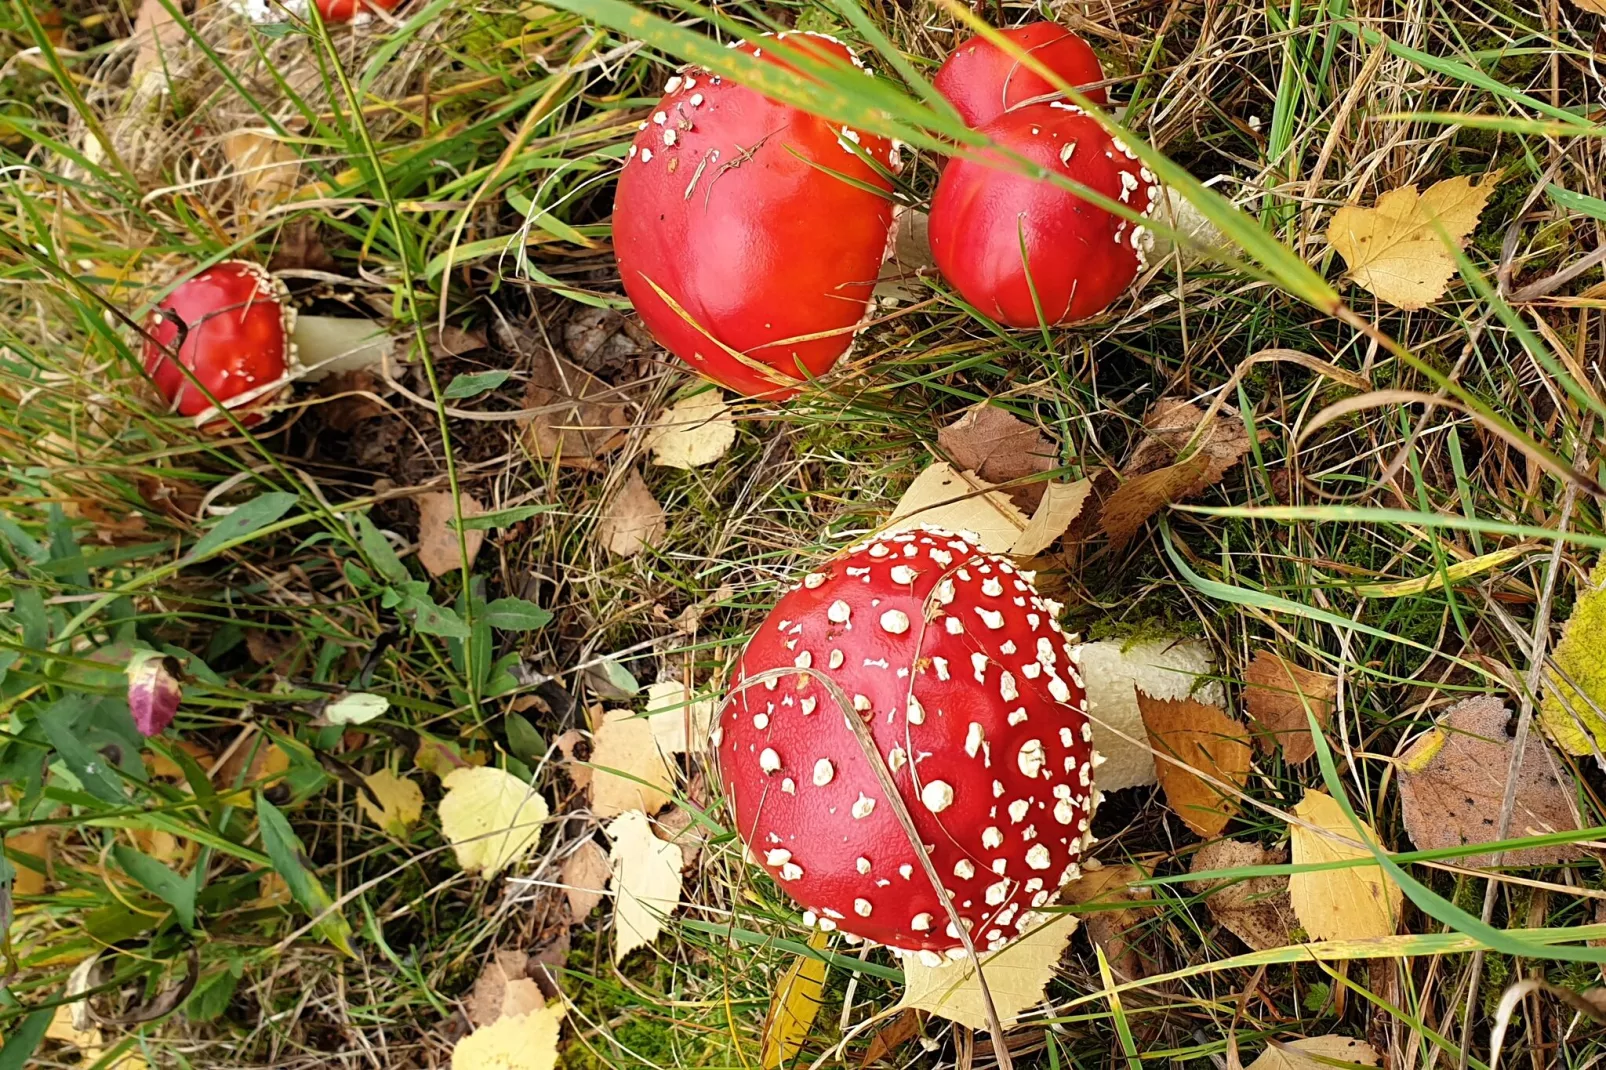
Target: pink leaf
column 153, row 690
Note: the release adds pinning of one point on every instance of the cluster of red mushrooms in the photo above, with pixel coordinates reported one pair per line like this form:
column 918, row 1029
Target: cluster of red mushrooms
column 905, row 747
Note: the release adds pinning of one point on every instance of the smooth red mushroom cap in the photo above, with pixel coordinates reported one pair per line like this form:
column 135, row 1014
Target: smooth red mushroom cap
column 742, row 253
column 346, row 10
column 983, row 81
column 962, row 676
column 1081, row 256
column 236, row 338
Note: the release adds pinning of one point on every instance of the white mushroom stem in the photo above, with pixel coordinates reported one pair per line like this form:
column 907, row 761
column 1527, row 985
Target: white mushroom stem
column 328, row 345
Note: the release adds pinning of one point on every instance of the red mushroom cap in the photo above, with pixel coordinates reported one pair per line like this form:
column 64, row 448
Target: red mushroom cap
column 1081, row 256
column 236, row 326
column 962, row 676
column 346, row 10
column 726, row 203
column 982, row 81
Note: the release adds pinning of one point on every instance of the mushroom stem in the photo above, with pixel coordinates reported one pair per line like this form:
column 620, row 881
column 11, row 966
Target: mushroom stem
column 328, row 345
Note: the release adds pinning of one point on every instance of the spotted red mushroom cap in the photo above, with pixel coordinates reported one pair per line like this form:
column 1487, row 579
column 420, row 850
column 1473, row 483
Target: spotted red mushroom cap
column 1081, row 256
column 236, row 323
column 983, row 81
column 743, row 253
column 962, row 676
column 347, row 10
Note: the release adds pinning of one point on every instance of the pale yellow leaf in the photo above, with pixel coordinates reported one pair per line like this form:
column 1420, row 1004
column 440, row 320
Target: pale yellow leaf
column 1318, row 1053
column 1395, row 249
column 946, row 498
column 1062, row 503
column 645, row 882
column 692, row 432
column 678, row 721
column 490, row 817
column 1568, row 712
column 401, row 802
column 630, row 773
column 1016, row 976
column 61, row 1027
column 1358, row 903
column 519, row 1042
column 793, row 1007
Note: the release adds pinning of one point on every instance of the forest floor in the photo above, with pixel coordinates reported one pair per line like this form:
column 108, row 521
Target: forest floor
column 1411, row 516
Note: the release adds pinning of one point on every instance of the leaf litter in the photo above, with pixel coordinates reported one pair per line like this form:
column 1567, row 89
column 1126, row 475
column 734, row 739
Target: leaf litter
column 1354, row 903
column 1277, row 694
column 1203, row 738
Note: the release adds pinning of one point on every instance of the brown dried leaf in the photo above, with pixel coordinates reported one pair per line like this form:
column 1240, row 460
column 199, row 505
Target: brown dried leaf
column 999, row 447
column 678, row 827
column 503, row 989
column 438, row 549
column 1130, row 506
column 1060, row 506
column 1594, row 7
column 1256, row 911
column 631, row 518
column 581, row 417
column 1113, row 929
column 1453, row 783
column 1276, row 695
column 267, row 168
column 887, row 1040
column 1153, row 478
column 353, row 398
column 585, row 879
column 158, row 38
column 451, row 341
column 1209, row 741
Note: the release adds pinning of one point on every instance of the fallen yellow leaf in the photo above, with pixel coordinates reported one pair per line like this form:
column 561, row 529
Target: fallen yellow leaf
column 645, row 882
column 794, row 1006
column 640, row 777
column 1317, row 1053
column 1395, row 249
column 1016, row 976
column 490, row 817
column 692, row 432
column 1567, row 712
column 401, row 802
column 959, row 501
column 519, row 1042
column 1358, row 903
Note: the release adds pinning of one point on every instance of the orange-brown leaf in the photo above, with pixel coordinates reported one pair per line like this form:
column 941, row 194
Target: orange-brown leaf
column 1276, row 696
column 1205, row 740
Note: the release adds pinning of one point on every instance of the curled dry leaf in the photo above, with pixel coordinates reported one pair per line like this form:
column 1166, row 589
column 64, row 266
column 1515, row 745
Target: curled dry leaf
column 1257, row 910
column 631, row 518
column 1357, row 903
column 793, row 1007
column 959, row 501
column 692, row 432
column 1203, row 738
column 438, row 549
column 520, row 1042
column 268, row 169
column 153, row 690
column 1016, row 975
column 645, row 883
column 1395, row 249
column 400, row 806
column 1061, row 504
column 585, row 878
column 1155, row 476
column 577, row 416
column 1317, row 1053
column 1453, row 786
column 576, row 750
column 1568, row 711
column 1277, row 694
column 1114, row 672
column 1000, row 448
column 504, row 989
column 629, row 771
column 1117, row 911
column 490, row 817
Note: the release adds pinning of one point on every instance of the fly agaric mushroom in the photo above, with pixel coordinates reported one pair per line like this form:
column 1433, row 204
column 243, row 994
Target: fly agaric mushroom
column 998, row 235
column 231, row 326
column 960, row 673
column 982, row 81
column 744, row 255
column 348, row 10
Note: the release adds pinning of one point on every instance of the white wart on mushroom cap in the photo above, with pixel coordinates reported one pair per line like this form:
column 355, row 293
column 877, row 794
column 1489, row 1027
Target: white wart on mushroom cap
column 967, row 685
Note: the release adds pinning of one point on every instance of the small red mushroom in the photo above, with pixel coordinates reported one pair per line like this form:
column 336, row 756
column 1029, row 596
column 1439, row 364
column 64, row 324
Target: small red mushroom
column 983, row 81
column 744, row 255
column 989, row 224
column 231, row 324
column 962, row 676
column 347, row 10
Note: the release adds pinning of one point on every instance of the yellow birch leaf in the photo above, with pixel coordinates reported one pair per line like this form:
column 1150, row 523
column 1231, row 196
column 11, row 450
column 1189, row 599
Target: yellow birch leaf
column 1016, row 976
column 1318, row 1053
column 401, row 802
column 490, row 817
column 1358, row 903
column 645, row 882
column 794, row 1006
column 640, row 779
column 947, row 498
column 692, row 432
column 519, row 1042
column 1062, row 503
column 1568, row 713
column 1394, row 249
